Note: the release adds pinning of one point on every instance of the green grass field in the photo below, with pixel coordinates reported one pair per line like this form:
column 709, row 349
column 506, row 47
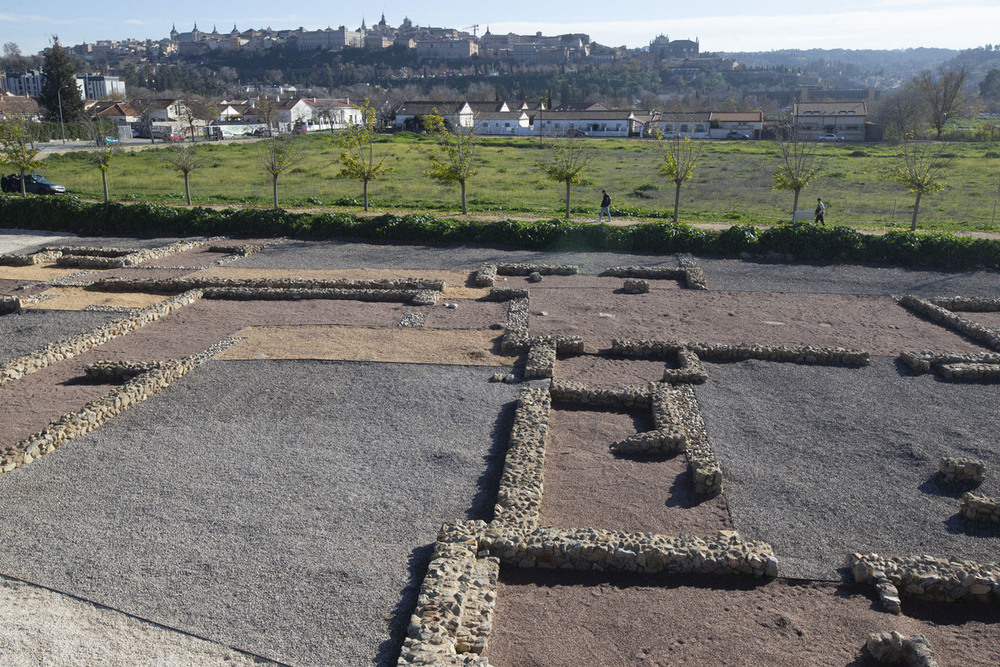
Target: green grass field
column 732, row 182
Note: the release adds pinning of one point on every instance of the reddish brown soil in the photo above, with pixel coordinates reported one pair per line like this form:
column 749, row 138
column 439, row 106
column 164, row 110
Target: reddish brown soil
column 8, row 286
column 469, row 314
column 986, row 319
column 547, row 618
column 140, row 274
column 582, row 281
column 604, row 372
column 588, row 487
column 29, row 404
column 876, row 324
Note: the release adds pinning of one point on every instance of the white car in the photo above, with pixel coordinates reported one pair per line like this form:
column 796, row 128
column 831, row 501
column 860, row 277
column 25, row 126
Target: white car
column 831, row 137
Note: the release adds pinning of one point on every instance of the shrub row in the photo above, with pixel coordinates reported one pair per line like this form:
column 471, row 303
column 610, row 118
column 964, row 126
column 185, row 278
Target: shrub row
column 799, row 241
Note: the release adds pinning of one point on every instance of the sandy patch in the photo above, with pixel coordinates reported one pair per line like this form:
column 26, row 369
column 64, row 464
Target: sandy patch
column 550, row 618
column 457, row 283
column 78, row 298
column 588, row 487
column 876, row 324
column 35, row 272
column 400, row 345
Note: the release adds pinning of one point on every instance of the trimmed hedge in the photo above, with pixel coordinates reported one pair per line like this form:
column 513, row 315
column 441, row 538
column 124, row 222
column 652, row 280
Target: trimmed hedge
column 800, row 241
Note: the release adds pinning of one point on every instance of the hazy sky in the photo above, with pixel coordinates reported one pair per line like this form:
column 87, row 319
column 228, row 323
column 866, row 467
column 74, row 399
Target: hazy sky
column 723, row 25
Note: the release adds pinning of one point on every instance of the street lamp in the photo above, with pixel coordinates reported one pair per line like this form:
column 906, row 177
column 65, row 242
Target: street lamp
column 61, row 125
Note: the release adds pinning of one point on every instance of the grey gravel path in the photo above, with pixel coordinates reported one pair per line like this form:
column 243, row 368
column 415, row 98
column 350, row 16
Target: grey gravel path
column 822, row 461
column 26, row 331
column 285, row 508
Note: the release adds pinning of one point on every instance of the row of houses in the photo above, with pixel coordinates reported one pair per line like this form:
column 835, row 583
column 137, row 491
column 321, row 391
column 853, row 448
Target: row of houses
column 812, row 120
column 846, row 120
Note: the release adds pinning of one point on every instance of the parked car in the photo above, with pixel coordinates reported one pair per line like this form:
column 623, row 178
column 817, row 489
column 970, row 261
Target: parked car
column 174, row 137
column 262, row 132
column 831, row 137
column 573, row 132
column 32, row 183
column 107, row 141
column 671, row 135
column 738, row 136
column 299, row 130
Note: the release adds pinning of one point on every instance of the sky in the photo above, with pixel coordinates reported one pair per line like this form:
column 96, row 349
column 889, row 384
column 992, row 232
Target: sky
column 722, row 25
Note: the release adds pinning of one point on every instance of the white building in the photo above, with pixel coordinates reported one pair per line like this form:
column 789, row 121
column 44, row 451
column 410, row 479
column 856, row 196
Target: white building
column 99, row 86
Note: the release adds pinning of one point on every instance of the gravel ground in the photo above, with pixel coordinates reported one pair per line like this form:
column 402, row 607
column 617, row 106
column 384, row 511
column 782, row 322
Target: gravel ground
column 290, row 517
column 66, row 635
column 26, row 331
column 735, row 274
column 823, row 461
column 20, row 240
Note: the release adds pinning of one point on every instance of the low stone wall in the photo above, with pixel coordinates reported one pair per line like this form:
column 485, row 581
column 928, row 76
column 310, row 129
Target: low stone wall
column 955, row 366
column 693, row 276
column 487, row 274
column 945, row 317
column 109, row 258
column 894, row 648
column 521, row 485
column 70, row 347
column 173, row 285
column 676, row 408
column 969, row 304
column 625, row 397
column 93, row 414
column 508, row 294
column 668, row 349
column 40, row 257
column 120, row 371
column 518, row 340
column 980, row 508
column 608, row 550
column 635, row 286
column 929, row 578
column 541, row 361
column 961, row 469
column 454, row 611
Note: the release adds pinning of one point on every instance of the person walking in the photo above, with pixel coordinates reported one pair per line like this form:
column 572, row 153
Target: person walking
column 820, row 212
column 605, row 206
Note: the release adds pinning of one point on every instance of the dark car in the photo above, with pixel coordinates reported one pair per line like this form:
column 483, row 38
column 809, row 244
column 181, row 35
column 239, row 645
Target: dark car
column 32, row 183
column 737, row 135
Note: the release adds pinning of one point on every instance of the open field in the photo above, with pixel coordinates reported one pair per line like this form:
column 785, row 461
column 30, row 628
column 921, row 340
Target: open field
column 280, row 501
column 731, row 184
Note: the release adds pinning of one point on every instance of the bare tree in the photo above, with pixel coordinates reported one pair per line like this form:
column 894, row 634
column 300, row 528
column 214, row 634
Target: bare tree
column 943, row 95
column 197, row 109
column 104, row 146
column 920, row 169
column 357, row 151
column 795, row 168
column 278, row 154
column 678, row 159
column 567, row 160
column 455, row 161
column 901, row 112
column 266, row 111
column 183, row 157
column 145, row 108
